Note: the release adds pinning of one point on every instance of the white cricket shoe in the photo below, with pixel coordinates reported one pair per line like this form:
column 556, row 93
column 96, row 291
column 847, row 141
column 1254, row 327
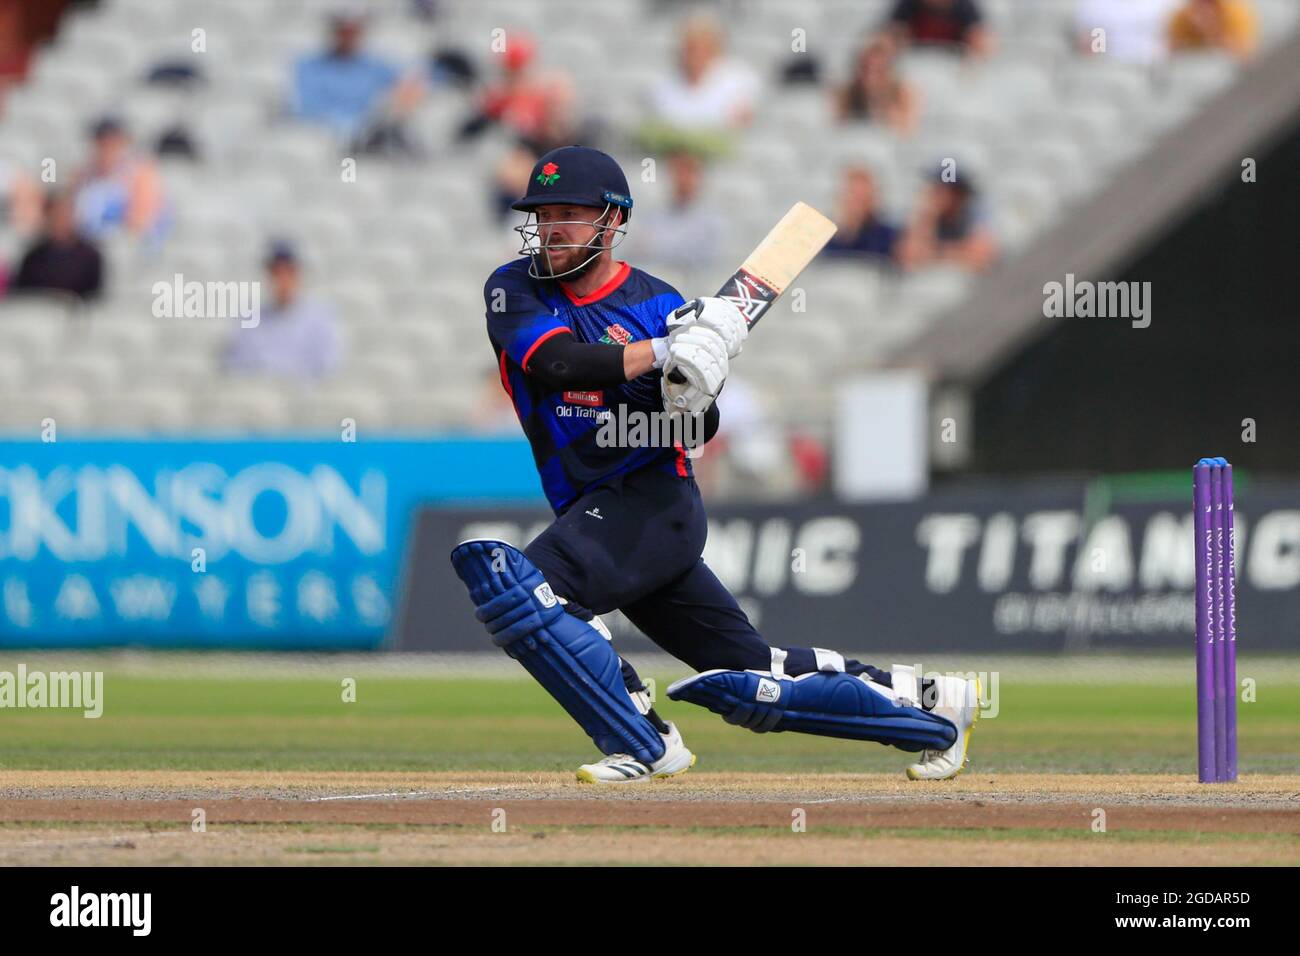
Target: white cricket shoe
column 958, row 700
column 622, row 768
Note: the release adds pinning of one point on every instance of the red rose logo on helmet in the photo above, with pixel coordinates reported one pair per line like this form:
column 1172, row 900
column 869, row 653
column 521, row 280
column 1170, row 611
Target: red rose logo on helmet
column 549, row 174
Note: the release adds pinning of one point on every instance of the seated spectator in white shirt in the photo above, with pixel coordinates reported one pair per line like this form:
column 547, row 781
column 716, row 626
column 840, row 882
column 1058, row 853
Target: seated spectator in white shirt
column 708, row 92
column 1132, row 31
column 296, row 337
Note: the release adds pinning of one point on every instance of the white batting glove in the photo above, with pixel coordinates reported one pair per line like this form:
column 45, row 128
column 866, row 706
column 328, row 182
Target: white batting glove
column 681, row 318
column 714, row 313
column 699, row 355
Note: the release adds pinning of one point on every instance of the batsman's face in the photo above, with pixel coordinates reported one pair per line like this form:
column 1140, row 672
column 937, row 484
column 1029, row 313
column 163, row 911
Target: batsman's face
column 574, row 226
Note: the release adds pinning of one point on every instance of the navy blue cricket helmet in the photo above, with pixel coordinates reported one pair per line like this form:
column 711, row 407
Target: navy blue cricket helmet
column 578, row 176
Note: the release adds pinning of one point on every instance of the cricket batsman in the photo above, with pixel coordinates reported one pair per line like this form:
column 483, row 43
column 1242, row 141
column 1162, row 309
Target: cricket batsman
column 580, row 337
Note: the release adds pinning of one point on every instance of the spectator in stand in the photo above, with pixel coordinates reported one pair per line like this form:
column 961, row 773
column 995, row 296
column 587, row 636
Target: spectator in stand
column 1134, row 31
column 1215, row 25
column 20, row 199
column 862, row 231
column 62, row 259
column 119, row 189
column 563, row 121
column 296, row 337
column 876, row 93
column 709, row 97
column 362, row 98
column 950, row 227
column 687, row 234
column 956, row 25
column 518, row 100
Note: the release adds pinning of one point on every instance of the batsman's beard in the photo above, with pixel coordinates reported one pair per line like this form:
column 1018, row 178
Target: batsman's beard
column 546, row 264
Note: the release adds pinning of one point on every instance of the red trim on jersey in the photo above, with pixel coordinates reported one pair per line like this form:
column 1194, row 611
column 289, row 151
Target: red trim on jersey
column 624, row 270
column 505, row 378
column 681, row 459
column 533, row 348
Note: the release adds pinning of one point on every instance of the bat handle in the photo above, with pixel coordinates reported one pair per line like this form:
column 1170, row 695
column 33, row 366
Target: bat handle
column 676, row 377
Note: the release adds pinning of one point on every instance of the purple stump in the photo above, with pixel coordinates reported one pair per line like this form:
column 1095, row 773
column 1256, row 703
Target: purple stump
column 1230, row 655
column 1204, row 609
column 1218, row 629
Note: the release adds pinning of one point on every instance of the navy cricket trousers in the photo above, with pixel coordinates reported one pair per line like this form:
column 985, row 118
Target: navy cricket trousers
column 634, row 543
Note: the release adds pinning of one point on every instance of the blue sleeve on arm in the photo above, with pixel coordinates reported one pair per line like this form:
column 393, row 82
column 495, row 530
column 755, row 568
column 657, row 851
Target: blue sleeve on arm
column 517, row 320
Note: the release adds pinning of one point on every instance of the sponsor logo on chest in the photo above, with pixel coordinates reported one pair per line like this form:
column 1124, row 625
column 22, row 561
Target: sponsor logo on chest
column 590, row 399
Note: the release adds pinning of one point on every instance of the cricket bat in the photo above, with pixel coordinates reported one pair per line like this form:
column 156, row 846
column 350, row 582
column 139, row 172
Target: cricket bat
column 774, row 264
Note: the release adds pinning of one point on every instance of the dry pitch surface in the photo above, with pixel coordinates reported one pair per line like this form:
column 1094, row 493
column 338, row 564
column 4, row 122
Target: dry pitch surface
column 252, row 817
column 438, row 761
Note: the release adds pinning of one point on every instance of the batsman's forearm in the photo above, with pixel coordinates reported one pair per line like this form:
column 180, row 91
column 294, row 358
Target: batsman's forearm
column 638, row 358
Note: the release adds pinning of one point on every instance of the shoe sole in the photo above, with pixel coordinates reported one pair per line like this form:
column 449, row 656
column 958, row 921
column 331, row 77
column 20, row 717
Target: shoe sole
column 965, row 743
column 665, row 774
column 586, row 776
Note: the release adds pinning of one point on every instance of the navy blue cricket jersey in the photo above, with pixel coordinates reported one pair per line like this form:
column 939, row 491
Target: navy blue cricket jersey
column 523, row 312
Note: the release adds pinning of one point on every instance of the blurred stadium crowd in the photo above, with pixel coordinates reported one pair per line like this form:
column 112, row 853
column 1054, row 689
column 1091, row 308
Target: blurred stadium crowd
column 358, row 160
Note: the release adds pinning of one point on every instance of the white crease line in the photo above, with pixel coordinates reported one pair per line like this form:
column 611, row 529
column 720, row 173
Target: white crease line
column 865, row 801
column 409, row 793
column 372, row 796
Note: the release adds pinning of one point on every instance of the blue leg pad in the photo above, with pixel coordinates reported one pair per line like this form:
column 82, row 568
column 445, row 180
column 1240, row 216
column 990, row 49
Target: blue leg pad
column 829, row 705
column 567, row 656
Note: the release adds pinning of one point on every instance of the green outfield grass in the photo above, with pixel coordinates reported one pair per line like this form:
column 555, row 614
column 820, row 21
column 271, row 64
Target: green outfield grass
column 202, row 716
